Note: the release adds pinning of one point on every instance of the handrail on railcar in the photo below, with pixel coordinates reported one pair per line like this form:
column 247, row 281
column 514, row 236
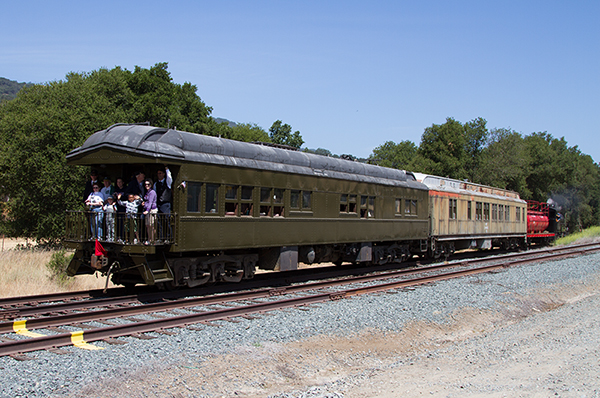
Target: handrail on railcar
column 137, row 229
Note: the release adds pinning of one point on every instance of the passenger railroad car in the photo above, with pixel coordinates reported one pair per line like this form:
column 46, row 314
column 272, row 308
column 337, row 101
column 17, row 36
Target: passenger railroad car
column 238, row 206
column 465, row 215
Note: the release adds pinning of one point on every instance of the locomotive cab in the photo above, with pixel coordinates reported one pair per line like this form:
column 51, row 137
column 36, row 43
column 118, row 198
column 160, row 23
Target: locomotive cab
column 543, row 222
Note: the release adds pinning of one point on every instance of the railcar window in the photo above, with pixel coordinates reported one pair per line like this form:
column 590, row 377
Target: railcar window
column 352, row 205
column 278, row 202
column 410, row 207
column 265, row 202
column 194, row 197
column 518, row 213
column 469, row 215
column 278, row 195
column 295, row 199
column 231, row 200
column 494, row 212
column 398, row 205
column 247, row 193
column 300, row 200
column 367, row 206
column 212, row 199
column 231, row 192
column 452, row 205
column 307, row 200
column 486, row 212
column 507, row 213
column 271, row 202
column 478, row 211
column 265, row 195
column 246, row 204
column 500, row 212
column 523, row 212
column 344, row 203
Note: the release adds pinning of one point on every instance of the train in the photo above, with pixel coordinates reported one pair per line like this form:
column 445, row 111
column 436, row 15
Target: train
column 238, row 207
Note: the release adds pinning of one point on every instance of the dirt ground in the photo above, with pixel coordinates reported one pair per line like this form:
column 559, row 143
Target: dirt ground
column 525, row 350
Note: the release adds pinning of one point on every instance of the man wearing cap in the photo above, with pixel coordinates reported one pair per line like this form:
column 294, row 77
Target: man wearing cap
column 108, row 189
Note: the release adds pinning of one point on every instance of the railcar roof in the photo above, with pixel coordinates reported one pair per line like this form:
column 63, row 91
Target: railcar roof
column 182, row 147
column 465, row 187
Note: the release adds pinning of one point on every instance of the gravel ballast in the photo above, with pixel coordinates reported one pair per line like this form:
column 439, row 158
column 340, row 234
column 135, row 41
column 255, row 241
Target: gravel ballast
column 351, row 347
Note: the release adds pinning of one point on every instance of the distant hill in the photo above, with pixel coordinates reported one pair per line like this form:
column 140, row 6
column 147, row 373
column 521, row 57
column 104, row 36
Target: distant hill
column 10, row 88
column 221, row 120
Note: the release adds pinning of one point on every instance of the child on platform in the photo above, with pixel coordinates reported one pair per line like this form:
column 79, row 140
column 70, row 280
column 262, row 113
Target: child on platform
column 110, row 213
column 131, row 215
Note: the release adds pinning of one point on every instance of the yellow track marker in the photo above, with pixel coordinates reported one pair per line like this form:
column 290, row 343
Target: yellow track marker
column 20, row 328
column 79, row 342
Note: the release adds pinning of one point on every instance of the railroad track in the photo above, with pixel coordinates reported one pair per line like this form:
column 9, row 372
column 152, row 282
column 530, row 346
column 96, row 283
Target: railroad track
column 225, row 306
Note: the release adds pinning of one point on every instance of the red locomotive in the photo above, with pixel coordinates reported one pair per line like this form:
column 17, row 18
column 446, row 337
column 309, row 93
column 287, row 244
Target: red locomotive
column 542, row 222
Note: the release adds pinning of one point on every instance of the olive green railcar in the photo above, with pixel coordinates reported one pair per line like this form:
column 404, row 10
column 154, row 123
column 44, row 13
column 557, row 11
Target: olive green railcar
column 237, row 206
column 466, row 215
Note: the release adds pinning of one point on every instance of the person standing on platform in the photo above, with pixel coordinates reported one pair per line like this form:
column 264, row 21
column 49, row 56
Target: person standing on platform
column 164, row 197
column 108, row 189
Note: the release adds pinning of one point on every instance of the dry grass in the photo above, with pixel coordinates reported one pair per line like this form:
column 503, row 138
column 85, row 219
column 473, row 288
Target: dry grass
column 24, row 273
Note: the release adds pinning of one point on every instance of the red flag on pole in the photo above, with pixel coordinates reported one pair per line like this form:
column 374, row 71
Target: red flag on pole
column 100, row 251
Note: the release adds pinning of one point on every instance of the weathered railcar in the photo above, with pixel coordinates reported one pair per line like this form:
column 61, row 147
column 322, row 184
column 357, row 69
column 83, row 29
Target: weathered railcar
column 238, row 206
column 466, row 215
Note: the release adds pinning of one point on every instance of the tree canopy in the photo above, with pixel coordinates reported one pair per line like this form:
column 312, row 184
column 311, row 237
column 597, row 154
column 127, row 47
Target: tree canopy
column 281, row 133
column 537, row 166
column 46, row 121
column 402, row 155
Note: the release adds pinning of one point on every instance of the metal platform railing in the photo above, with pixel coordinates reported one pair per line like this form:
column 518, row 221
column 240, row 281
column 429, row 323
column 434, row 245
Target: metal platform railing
column 150, row 229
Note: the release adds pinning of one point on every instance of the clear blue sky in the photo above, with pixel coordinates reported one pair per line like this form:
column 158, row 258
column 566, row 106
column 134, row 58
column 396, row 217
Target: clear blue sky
column 350, row 75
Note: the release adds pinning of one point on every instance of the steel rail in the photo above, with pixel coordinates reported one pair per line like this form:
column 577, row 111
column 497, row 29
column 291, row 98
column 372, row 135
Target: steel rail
column 42, row 298
column 7, row 303
column 98, row 315
column 64, row 339
column 63, row 307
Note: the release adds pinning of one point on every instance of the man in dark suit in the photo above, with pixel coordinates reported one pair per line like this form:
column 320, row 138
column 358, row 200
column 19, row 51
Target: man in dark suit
column 89, row 186
column 136, row 185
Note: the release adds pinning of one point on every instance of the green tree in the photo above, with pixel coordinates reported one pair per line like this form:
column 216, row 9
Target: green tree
column 542, row 172
column 476, row 136
column 504, row 162
column 398, row 156
column 45, row 122
column 567, row 176
column 282, row 134
column 248, row 132
column 443, row 149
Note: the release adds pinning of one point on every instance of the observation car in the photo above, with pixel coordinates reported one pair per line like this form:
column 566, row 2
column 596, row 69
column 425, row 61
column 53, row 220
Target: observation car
column 240, row 206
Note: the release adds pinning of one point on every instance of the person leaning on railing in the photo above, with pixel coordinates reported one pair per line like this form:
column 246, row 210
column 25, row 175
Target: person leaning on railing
column 150, row 210
column 94, row 201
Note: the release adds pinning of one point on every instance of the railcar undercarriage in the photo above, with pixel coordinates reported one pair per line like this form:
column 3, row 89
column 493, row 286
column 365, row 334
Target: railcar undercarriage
column 155, row 265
